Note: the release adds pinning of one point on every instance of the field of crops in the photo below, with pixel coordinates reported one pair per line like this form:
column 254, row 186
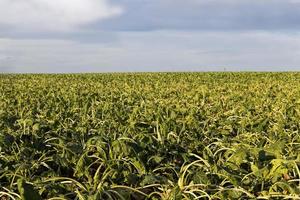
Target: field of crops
column 150, row 136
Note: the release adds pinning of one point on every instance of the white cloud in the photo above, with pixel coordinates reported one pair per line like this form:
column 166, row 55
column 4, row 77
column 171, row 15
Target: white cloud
column 54, row 15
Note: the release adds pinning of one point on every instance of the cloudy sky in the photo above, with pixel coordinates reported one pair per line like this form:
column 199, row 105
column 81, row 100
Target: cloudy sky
column 149, row 35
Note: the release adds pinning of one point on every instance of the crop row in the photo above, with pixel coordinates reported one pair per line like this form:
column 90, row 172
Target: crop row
column 150, row 136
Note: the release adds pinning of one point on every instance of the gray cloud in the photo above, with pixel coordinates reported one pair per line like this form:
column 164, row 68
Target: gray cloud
column 159, row 51
column 84, row 36
column 177, row 15
column 143, row 15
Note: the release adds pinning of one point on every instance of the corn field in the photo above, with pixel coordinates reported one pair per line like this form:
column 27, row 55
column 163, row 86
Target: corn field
column 152, row 136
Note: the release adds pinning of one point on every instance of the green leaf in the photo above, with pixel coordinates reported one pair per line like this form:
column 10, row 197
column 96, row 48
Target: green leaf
column 36, row 127
column 27, row 191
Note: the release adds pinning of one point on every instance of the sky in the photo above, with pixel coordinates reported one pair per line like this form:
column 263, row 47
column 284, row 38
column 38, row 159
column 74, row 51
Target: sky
column 74, row 36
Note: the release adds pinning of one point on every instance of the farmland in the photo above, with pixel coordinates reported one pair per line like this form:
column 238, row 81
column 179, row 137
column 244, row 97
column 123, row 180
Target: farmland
column 150, row 136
